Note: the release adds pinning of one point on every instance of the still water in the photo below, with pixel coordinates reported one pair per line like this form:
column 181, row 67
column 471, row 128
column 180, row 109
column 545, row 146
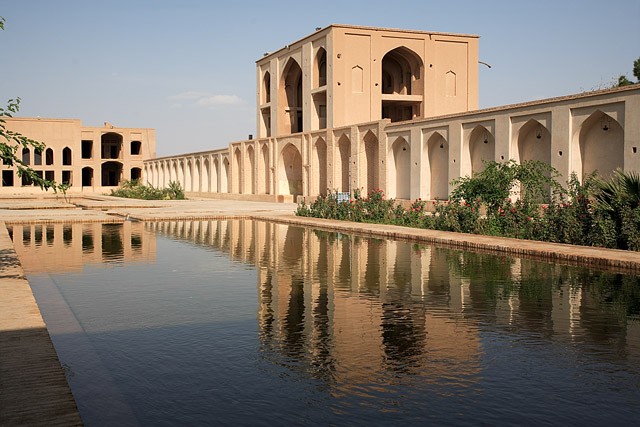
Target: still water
column 254, row 323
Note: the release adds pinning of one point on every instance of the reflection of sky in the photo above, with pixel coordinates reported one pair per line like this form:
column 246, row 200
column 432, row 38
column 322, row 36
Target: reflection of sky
column 185, row 285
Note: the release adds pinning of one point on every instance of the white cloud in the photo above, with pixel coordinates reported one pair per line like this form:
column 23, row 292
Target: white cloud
column 203, row 99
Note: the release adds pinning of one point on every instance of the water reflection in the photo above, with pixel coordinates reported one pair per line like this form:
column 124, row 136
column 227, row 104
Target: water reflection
column 344, row 306
column 67, row 247
column 303, row 326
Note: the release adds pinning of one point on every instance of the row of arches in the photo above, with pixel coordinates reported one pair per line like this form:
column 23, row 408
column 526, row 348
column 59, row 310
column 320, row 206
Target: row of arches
column 598, row 145
column 48, row 157
column 203, row 174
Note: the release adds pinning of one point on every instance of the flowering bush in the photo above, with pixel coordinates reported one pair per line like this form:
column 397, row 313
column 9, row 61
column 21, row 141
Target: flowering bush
column 592, row 212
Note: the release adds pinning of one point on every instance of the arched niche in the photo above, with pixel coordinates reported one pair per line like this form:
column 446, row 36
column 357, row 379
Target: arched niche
column 264, row 170
column 482, row 146
column 399, row 169
column 266, row 88
column 341, row 164
column 319, row 168
column 206, row 176
column 290, row 171
column 320, row 68
column 224, row 178
column 601, row 145
column 236, row 182
column 369, row 163
column 437, row 167
column 533, row 143
column 250, row 172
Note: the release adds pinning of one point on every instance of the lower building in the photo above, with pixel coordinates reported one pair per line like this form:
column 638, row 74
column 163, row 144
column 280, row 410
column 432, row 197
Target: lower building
column 88, row 159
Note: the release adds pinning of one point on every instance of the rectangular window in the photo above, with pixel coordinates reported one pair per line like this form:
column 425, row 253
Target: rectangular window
column 39, row 173
column 49, row 176
column 87, row 149
column 7, row 178
column 66, row 177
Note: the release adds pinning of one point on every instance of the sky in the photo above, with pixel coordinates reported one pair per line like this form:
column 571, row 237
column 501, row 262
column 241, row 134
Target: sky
column 187, row 67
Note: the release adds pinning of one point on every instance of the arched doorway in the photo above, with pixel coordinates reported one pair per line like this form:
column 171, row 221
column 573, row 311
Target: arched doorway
column 111, row 174
column 399, row 179
column 437, row 170
column 136, row 174
column 290, row 171
column 87, row 177
column 111, row 145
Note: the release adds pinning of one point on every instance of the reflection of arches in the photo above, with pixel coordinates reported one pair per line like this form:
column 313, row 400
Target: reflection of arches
column 206, row 176
column 290, row 96
column 402, row 71
column 533, row 143
column 87, row 177
column 250, row 173
column 66, row 156
column 437, row 170
column 236, row 183
column 601, row 145
column 111, row 174
column 320, row 68
column 481, row 147
column 263, row 171
column 399, row 169
column 48, row 157
column 290, row 171
column 341, row 162
column 266, row 88
column 224, row 179
column 320, row 165
column 370, row 162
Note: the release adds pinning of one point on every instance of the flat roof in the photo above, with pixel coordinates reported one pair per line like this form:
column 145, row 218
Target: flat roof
column 360, row 27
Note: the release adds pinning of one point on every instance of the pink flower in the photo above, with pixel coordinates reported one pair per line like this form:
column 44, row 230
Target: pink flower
column 513, row 210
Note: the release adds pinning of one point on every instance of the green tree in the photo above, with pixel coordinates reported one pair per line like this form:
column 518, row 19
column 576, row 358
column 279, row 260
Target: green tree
column 624, row 81
column 11, row 142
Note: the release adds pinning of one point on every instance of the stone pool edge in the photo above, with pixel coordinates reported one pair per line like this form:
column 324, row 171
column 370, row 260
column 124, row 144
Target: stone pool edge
column 33, row 387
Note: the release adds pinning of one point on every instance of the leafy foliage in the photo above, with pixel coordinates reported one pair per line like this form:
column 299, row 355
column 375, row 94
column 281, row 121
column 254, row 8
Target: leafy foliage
column 523, row 201
column 135, row 190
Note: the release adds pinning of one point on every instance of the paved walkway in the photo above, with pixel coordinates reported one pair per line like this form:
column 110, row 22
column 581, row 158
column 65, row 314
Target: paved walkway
column 33, row 389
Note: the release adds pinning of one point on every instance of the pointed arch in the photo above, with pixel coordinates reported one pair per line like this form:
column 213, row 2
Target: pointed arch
column 195, row 179
column 48, row 157
column 266, row 88
column 290, row 97
column 437, row 167
column 399, row 164
column 370, row 160
column 533, row 143
column 320, row 68
column 600, row 145
column 402, row 72
column 236, row 182
column 206, row 176
column 319, row 166
column 264, row 170
column 482, row 146
column 224, row 178
column 214, row 176
column 342, row 167
column 188, row 174
column 250, row 172
column 290, row 171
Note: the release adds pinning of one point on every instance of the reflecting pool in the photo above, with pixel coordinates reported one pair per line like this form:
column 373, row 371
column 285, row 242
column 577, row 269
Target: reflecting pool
column 254, row 323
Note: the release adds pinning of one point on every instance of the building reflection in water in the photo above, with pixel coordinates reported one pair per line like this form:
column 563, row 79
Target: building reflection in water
column 58, row 248
column 347, row 310
column 339, row 307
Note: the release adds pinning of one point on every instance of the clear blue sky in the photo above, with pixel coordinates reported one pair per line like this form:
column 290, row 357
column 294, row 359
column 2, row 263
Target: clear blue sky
column 187, row 68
